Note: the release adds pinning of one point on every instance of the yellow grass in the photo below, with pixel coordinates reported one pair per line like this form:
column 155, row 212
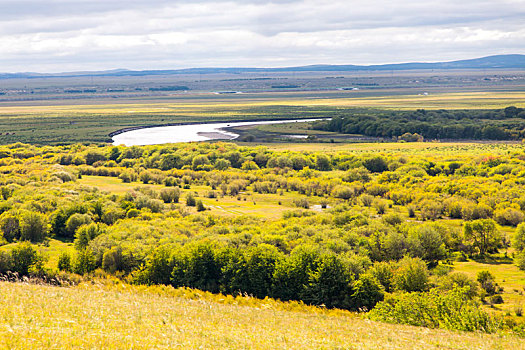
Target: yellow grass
column 255, row 204
column 196, row 106
column 112, row 317
column 507, row 275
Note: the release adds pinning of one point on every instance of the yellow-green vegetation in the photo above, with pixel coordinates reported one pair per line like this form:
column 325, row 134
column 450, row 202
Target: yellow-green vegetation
column 424, row 234
column 117, row 317
column 66, row 122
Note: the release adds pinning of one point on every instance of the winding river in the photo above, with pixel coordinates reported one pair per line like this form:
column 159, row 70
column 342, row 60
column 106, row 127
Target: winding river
column 187, row 133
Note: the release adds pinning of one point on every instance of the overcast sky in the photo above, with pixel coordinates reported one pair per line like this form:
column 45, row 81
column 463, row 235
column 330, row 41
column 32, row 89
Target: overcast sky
column 67, row 35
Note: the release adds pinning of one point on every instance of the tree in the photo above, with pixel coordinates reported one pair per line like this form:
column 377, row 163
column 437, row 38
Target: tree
column 426, row 243
column 25, row 258
column 322, row 162
column 483, row 235
column 10, row 226
column 411, row 275
column 84, row 262
column 330, row 284
column 86, row 233
column 367, row 292
column 64, row 262
column 75, row 221
column 33, row 227
column 519, row 238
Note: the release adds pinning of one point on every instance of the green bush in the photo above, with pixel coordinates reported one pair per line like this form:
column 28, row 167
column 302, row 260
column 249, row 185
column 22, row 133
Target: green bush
column 33, row 227
column 411, row 275
column 64, row 262
column 452, row 310
column 25, row 258
column 84, row 262
column 75, row 221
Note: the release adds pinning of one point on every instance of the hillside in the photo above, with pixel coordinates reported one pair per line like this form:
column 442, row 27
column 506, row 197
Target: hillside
column 97, row 316
column 496, row 61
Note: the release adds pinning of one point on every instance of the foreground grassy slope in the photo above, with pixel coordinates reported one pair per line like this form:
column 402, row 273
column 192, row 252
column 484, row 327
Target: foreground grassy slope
column 96, row 316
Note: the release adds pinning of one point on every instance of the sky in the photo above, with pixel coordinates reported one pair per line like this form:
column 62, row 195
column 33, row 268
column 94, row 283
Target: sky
column 80, row 35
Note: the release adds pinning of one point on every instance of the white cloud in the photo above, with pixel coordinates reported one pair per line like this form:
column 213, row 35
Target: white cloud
column 62, row 35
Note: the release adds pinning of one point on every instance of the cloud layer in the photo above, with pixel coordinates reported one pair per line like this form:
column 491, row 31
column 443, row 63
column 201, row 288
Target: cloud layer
column 61, row 35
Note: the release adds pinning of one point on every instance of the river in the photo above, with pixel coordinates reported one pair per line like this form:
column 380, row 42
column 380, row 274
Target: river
column 188, row 133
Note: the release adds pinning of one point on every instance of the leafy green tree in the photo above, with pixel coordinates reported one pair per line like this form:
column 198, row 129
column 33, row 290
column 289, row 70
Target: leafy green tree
column 519, row 238
column 75, row 221
column 253, row 272
column 85, row 262
column 330, row 284
column 118, row 259
column 64, row 262
column 483, row 235
column 203, row 267
column 292, row 274
column 25, row 258
column 33, row 227
column 367, row 292
column 411, row 275
column 426, row 243
column 86, row 233
column 158, row 267
column 10, row 226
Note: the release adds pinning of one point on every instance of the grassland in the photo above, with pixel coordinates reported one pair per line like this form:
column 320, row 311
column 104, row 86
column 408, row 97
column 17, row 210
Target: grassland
column 124, row 317
column 67, row 122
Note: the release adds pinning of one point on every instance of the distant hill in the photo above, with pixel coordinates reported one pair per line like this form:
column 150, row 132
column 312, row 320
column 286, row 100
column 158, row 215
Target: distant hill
column 494, row 62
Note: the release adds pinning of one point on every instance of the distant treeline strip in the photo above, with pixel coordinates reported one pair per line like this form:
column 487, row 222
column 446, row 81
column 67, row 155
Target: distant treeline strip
column 504, row 124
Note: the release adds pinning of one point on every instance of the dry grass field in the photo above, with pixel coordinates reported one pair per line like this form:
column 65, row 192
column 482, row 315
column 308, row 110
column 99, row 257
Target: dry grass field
column 123, row 317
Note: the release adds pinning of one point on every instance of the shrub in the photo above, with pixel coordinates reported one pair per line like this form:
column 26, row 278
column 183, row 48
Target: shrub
column 486, row 280
column 190, row 200
column 509, row 216
column 64, row 262
column 75, row 221
column 86, row 233
column 33, row 227
column 367, row 292
column 112, row 214
column 84, row 262
column 496, row 299
column 452, row 310
column 384, row 273
column 10, row 226
column 25, row 258
column 170, row 195
column 118, row 259
column 301, row 203
column 376, row 164
column 518, row 241
column 458, row 279
column 200, row 206
column 411, row 275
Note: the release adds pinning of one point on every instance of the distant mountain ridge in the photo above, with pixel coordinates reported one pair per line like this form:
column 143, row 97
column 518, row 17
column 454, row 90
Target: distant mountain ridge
column 515, row 61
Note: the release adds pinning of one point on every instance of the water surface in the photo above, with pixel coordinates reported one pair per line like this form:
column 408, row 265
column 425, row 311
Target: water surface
column 188, row 133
